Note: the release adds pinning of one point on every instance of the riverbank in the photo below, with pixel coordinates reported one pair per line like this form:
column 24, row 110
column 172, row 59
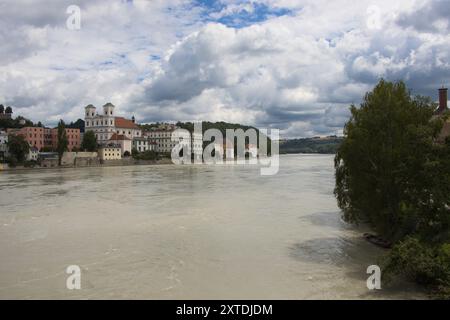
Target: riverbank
column 106, row 163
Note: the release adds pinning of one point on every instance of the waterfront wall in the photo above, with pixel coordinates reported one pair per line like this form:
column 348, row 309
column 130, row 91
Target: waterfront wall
column 80, row 159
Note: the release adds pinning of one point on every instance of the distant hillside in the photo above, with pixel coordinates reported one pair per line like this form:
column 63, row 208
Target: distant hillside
column 222, row 126
column 327, row 145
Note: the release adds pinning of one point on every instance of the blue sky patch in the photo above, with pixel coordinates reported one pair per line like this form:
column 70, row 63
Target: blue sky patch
column 239, row 18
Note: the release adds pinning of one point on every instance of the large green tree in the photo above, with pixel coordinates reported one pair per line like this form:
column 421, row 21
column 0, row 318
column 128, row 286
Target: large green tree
column 392, row 174
column 381, row 166
column 89, row 142
column 18, row 147
column 63, row 142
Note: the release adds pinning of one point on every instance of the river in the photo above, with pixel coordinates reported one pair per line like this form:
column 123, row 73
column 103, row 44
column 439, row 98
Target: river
column 183, row 232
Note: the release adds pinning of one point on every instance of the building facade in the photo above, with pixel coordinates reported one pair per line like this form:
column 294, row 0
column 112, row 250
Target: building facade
column 143, row 144
column 443, row 109
column 3, row 145
column 33, row 154
column 121, row 141
column 40, row 138
column 166, row 137
column 106, row 124
column 111, row 152
column 73, row 139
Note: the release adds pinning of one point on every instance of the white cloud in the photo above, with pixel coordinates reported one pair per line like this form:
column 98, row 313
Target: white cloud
column 162, row 60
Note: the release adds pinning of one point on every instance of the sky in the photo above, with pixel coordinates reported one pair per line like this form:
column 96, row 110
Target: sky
column 293, row 65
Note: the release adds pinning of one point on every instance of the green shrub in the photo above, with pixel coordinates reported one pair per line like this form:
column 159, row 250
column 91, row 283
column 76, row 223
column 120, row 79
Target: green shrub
column 426, row 264
column 30, row 164
column 147, row 155
column 12, row 161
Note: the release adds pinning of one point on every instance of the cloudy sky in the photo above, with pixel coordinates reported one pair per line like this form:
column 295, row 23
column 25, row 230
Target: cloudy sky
column 295, row 65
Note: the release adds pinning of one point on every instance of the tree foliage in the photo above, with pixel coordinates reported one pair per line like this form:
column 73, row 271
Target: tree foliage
column 89, row 142
column 146, row 155
column 18, row 147
column 391, row 173
column 328, row 145
column 63, row 142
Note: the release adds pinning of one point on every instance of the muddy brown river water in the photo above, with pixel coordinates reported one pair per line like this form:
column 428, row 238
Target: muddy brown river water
column 183, row 232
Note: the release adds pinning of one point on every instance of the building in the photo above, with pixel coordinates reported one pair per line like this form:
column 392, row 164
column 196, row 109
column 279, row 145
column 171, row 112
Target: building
column 47, row 138
column 37, row 137
column 110, row 152
column 197, row 145
column 441, row 110
column 3, row 137
column 73, row 139
column 33, row 154
column 225, row 148
column 251, row 150
column 161, row 137
column 142, row 144
column 166, row 137
column 228, row 148
column 106, row 124
column 122, row 141
column 5, row 113
column 48, row 159
column 442, row 101
column 3, row 145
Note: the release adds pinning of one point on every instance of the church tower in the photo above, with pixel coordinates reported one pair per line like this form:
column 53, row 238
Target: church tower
column 108, row 119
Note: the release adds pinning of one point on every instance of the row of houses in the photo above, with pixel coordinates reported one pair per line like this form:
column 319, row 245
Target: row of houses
column 116, row 136
column 118, row 132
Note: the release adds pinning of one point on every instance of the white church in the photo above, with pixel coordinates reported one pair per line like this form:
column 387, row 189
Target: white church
column 105, row 125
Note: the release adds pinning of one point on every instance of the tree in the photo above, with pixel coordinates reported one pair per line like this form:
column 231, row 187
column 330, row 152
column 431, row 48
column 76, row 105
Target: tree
column 147, row 155
column 391, row 173
column 18, row 147
column 62, row 140
column 89, row 142
column 79, row 124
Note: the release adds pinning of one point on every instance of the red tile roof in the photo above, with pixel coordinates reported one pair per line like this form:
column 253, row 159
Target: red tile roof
column 117, row 137
column 125, row 123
